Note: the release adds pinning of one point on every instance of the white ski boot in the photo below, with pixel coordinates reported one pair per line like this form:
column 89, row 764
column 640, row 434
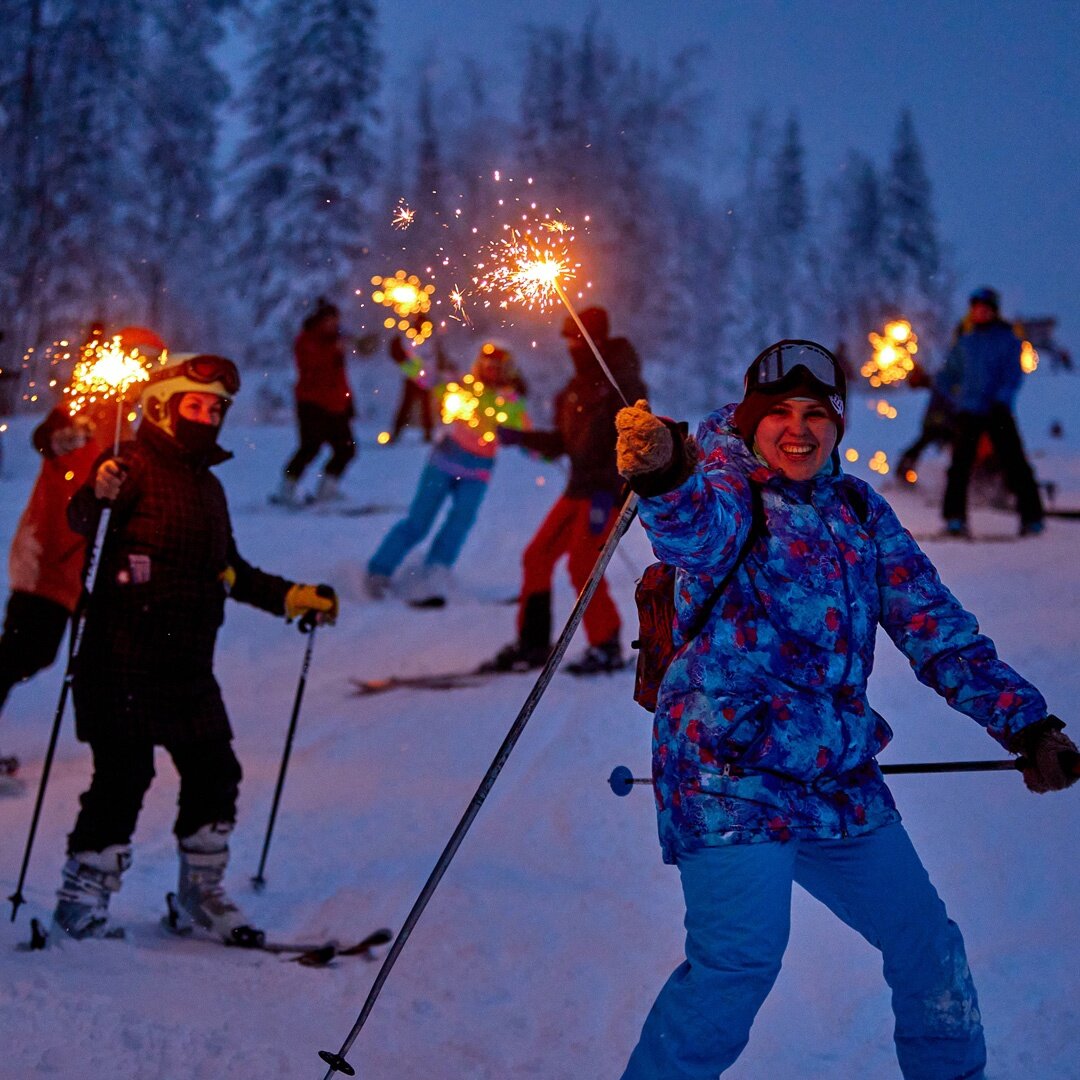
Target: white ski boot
column 328, row 491
column 201, row 901
column 377, row 586
column 286, row 494
column 82, row 901
column 431, row 588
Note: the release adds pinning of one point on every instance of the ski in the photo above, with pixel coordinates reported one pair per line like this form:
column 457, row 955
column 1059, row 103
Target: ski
column 448, row 680
column 985, row 538
column 308, row 954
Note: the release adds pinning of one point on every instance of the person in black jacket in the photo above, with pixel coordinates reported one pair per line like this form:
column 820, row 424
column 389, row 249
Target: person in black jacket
column 579, row 522
column 144, row 675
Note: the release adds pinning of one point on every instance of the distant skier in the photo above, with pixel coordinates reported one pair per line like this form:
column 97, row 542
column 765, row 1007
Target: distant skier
column 416, row 395
column 324, row 406
column 458, row 469
column 765, row 745
column 144, row 676
column 579, row 522
column 984, row 368
column 46, row 560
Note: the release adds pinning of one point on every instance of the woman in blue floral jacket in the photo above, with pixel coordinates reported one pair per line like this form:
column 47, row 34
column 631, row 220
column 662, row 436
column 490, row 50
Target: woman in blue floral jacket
column 764, row 744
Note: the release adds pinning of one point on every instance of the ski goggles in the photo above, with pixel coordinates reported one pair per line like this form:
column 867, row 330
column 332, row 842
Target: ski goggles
column 204, row 369
column 777, row 363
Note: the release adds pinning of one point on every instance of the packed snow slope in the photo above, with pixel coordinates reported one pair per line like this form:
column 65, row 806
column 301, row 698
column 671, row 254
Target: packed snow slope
column 557, row 923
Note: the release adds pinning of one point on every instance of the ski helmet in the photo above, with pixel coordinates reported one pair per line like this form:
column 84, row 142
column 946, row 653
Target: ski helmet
column 200, row 373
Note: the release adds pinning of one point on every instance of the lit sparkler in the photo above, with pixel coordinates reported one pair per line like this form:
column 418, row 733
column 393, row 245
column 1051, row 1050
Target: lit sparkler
column 104, row 372
column 894, row 351
column 404, row 215
column 530, row 268
column 410, row 302
column 1029, row 358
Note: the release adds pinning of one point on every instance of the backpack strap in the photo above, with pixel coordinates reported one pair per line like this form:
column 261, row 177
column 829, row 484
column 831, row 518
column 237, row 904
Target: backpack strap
column 758, row 529
column 856, row 499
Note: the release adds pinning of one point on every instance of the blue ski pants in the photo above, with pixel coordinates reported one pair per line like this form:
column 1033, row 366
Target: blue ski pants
column 435, row 487
column 738, row 913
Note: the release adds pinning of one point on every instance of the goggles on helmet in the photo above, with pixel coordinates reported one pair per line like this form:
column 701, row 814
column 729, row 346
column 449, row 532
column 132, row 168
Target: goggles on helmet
column 204, row 369
column 778, row 361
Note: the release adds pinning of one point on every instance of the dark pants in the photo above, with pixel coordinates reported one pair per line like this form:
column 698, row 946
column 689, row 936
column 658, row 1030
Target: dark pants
column 1000, row 426
column 123, row 768
column 33, row 630
column 413, row 395
column 317, row 426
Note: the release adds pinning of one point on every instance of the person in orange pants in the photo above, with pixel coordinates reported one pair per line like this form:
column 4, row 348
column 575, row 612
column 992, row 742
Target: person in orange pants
column 579, row 522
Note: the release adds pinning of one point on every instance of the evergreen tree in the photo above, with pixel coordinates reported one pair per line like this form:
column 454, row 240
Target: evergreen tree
column 74, row 153
column 856, row 286
column 912, row 253
column 182, row 101
column 300, row 211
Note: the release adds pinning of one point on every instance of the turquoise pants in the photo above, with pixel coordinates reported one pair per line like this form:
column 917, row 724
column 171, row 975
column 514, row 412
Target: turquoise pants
column 738, row 906
column 435, row 487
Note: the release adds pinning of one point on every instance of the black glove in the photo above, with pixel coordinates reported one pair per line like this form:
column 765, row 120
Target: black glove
column 1049, row 758
column 510, row 436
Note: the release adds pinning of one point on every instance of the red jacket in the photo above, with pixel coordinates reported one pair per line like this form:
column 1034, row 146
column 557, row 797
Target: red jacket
column 46, row 556
column 320, row 364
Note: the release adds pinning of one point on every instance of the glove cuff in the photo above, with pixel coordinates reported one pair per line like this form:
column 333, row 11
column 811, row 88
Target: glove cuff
column 1023, row 742
column 678, row 469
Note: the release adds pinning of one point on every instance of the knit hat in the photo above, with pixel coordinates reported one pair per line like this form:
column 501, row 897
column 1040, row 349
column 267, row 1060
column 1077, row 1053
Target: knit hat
column 791, row 369
column 985, row 295
column 594, row 319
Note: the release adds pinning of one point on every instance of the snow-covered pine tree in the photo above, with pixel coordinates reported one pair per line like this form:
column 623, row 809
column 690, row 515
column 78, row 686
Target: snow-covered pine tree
column 300, row 210
column 76, row 162
column 912, row 253
column 855, row 286
column 795, row 286
column 183, row 98
column 21, row 181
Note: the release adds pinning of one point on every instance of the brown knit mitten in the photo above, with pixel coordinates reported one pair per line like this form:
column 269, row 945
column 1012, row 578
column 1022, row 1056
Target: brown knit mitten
column 645, row 443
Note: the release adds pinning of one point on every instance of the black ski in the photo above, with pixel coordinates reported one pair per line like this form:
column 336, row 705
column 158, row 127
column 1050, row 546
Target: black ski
column 309, row 954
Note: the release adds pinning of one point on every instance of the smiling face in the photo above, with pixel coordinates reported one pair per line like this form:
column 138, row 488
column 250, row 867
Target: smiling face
column 796, row 437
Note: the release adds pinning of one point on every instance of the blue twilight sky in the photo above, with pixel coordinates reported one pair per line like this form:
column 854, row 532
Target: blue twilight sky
column 993, row 86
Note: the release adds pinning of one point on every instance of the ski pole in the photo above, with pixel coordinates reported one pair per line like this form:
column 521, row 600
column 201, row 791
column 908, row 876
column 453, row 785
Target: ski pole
column 337, row 1061
column 308, row 628
column 622, row 780
column 78, row 625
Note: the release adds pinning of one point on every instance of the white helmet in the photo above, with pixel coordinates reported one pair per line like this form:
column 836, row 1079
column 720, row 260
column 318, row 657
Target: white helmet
column 201, row 373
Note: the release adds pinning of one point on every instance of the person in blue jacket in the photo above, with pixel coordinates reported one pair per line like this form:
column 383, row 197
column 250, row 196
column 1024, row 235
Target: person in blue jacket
column 765, row 745
column 983, row 374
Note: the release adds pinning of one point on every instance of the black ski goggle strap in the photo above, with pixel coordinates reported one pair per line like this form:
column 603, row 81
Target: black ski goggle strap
column 778, row 361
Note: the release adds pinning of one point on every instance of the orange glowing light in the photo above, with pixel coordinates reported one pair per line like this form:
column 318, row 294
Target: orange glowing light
column 1029, row 358
column 894, row 350
column 104, row 372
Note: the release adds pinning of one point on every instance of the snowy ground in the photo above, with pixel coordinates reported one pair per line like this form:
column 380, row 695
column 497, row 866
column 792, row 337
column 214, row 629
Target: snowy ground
column 543, row 948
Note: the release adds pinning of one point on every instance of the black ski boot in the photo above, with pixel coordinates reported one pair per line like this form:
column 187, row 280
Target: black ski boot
column 599, row 659
column 533, row 645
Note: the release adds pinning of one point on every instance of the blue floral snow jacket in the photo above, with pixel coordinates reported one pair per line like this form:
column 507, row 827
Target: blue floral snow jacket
column 762, row 728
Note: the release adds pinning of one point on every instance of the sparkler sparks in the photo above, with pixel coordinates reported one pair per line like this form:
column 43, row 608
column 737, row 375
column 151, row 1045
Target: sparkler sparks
column 403, row 217
column 529, row 267
column 894, row 351
column 103, row 372
column 409, row 300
